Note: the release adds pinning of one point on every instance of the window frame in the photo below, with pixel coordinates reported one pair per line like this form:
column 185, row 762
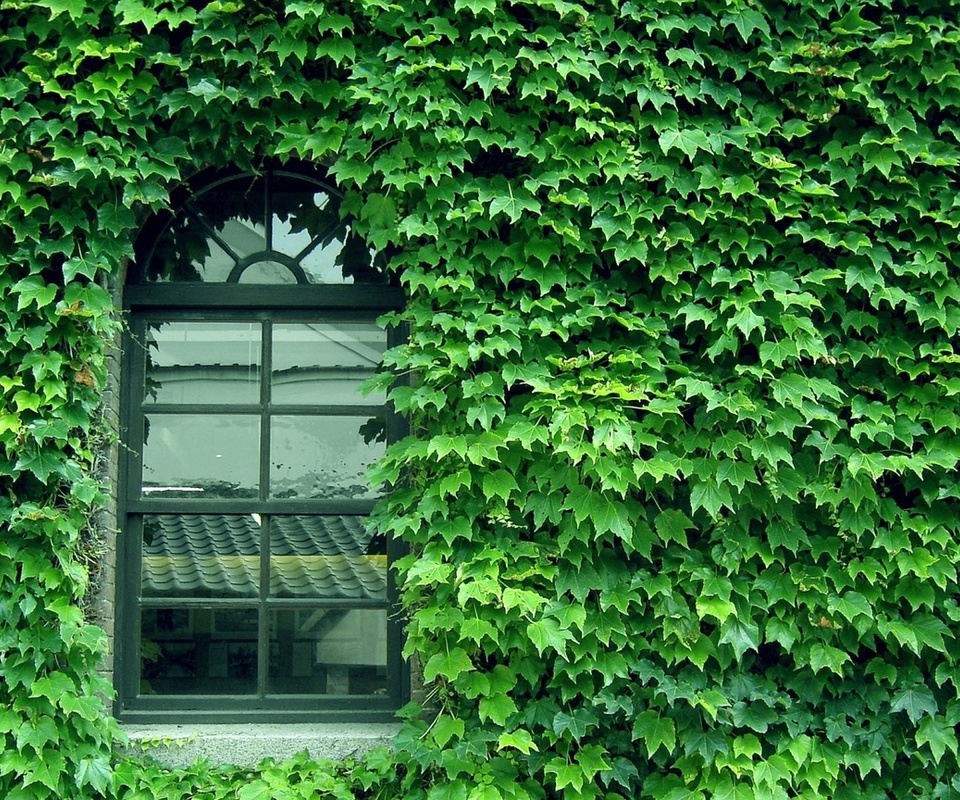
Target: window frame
column 232, row 302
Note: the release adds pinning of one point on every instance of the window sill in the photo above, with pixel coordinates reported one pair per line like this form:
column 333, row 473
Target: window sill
column 249, row 744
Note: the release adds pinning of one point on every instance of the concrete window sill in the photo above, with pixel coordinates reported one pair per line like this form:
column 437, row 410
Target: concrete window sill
column 248, row 745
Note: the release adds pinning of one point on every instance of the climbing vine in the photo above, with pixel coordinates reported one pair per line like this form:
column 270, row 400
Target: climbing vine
column 681, row 490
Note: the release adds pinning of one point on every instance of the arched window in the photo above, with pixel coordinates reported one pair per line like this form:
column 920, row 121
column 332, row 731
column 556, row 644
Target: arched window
column 251, row 584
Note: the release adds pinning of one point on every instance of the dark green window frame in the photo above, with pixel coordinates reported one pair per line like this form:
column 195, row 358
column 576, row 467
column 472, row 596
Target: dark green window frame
column 264, row 307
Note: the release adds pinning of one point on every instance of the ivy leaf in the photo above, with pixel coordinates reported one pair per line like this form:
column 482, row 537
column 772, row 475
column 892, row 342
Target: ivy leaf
column 852, row 23
column 499, row 483
column 917, row 700
column 746, row 21
column 578, row 724
column 546, row 634
column 445, row 728
column 95, row 772
column 475, row 6
column 741, row 635
column 938, row 735
column 824, row 656
column 728, row 790
column 672, row 525
column 255, row 790
column 448, row 790
column 655, row 732
column 379, row 211
column 520, row 740
column 715, row 607
column 497, row 708
column 689, row 141
column 747, row 321
column 447, row 665
column 53, row 687
column 34, row 289
column 514, row 206
column 710, row 497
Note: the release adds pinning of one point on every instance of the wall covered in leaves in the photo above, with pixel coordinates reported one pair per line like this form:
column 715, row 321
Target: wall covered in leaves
column 682, row 494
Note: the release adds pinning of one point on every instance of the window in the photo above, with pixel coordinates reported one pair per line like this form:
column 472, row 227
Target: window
column 251, row 584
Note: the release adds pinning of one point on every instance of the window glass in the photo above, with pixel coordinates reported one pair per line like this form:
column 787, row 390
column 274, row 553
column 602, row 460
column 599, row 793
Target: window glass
column 324, row 456
column 268, row 272
column 201, row 455
column 198, row 651
column 200, row 555
column 203, row 362
column 189, row 253
column 324, row 557
column 324, row 362
column 328, row 651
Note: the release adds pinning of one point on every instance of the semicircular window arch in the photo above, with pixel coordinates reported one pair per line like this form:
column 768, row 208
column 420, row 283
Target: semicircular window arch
column 280, row 226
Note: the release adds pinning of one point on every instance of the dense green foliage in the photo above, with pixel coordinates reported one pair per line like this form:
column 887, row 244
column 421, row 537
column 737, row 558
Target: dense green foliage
column 682, row 492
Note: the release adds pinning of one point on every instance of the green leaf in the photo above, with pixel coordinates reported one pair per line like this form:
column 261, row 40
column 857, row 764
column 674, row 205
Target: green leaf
column 445, row 728
column 34, row 290
column 746, row 21
column 53, row 687
column 499, row 483
column 546, row 634
column 520, row 740
column 447, row 665
column 825, row 656
column 95, row 772
column 255, row 790
column 747, row 321
column 739, row 634
column 514, row 206
column 916, row 700
column 497, row 708
column 655, row 732
column 854, row 604
column 940, row 736
column 379, row 211
column 689, row 141
column 476, row 7
column 715, row 607
column 726, row 789
column 852, row 22
column 672, row 525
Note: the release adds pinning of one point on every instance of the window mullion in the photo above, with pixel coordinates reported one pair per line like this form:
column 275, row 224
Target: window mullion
column 263, row 637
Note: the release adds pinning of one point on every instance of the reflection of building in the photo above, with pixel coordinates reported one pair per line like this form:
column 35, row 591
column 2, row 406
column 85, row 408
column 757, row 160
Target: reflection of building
column 217, row 365
column 327, row 557
column 251, row 583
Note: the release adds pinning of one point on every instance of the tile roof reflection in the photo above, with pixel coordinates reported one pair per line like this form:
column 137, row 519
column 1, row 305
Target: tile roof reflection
column 213, row 555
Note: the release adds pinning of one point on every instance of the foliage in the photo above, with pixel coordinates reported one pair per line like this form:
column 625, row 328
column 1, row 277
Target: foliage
column 682, row 489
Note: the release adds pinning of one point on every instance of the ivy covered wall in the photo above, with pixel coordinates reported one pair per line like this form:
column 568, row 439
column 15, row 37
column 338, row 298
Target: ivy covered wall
column 683, row 296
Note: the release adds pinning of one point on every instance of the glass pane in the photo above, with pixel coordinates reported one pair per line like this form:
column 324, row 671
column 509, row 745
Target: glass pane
column 326, row 557
column 302, row 211
column 201, row 455
column 187, row 252
column 324, row 362
column 203, row 362
column 342, row 258
column 200, row 555
column 236, row 211
column 324, row 457
column 198, row 651
column 328, row 651
column 268, row 272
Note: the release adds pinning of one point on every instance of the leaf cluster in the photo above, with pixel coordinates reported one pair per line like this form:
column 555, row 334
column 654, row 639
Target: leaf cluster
column 681, row 492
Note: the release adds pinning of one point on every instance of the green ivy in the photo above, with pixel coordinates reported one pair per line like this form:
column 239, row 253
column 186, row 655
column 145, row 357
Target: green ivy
column 681, row 496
